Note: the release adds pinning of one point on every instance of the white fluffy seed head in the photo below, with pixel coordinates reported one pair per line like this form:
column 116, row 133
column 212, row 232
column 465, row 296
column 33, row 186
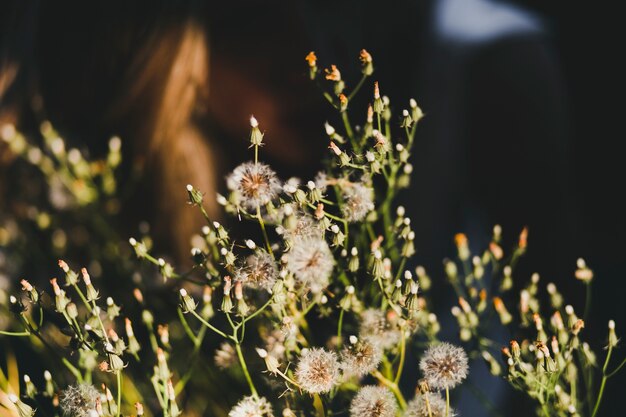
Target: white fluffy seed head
column 444, row 366
column 373, row 401
column 429, row 404
column 252, row 407
column 317, row 370
column 253, row 122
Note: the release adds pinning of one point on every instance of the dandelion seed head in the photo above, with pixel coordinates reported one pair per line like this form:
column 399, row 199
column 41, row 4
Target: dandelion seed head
column 359, row 201
column 376, row 327
column 373, row 401
column 252, row 407
column 317, row 371
column 444, row 366
column 311, row 262
column 225, row 356
column 361, row 357
column 260, row 271
column 256, row 184
column 303, row 227
column 79, row 400
column 418, row 407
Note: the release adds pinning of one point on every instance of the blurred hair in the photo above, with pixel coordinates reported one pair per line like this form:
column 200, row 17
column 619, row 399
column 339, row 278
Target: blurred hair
column 136, row 70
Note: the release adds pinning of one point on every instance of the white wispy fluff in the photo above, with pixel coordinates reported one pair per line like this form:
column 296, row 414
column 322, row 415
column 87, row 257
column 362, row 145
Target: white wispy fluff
column 311, row 262
column 255, row 184
column 317, row 371
column 419, row 406
column 373, row 401
column 252, row 407
column 358, row 201
column 444, row 366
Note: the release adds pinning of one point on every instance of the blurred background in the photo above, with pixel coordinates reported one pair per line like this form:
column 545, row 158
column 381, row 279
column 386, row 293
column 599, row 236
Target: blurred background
column 521, row 101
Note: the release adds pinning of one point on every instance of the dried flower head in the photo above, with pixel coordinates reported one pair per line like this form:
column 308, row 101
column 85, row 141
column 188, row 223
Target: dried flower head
column 303, row 226
column 361, row 358
column 256, row 184
column 359, row 201
column 317, row 371
column 376, row 327
column 79, row 400
column 260, row 271
column 311, row 261
column 252, row 407
column 225, row 356
column 372, row 401
column 428, row 404
column 444, row 366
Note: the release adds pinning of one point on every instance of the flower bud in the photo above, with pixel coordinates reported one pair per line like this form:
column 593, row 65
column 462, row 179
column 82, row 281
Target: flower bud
column 256, row 137
column 505, row 316
column 195, row 196
column 416, row 112
column 312, row 61
column 613, row 340
column 23, row 409
column 187, row 303
column 367, row 67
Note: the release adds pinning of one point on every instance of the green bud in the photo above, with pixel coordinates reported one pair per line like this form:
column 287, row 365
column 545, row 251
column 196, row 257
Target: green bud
column 195, row 196
column 187, row 303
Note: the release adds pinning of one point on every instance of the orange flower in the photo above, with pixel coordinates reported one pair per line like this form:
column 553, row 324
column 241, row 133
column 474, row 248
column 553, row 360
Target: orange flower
column 333, row 73
column 311, row 59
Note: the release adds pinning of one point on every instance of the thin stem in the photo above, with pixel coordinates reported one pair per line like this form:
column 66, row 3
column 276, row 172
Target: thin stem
column 392, row 386
column 402, row 357
column 188, row 330
column 25, row 333
column 262, row 224
column 447, row 402
column 358, row 87
column 339, row 325
column 346, row 125
column 603, row 383
column 430, row 411
column 119, row 393
column 620, row 366
column 210, row 326
column 244, row 367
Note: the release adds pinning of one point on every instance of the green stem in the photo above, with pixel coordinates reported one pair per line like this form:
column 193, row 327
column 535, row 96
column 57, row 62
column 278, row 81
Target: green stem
column 392, row 386
column 210, row 326
column 339, row 325
column 262, row 224
column 346, row 125
column 616, row 370
column 358, row 87
column 185, row 324
column 119, row 393
column 2, row 332
column 430, row 411
column 319, row 406
column 603, row 383
column 244, row 367
column 402, row 357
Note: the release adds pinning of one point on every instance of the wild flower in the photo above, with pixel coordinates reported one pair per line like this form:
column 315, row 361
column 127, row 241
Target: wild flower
column 225, row 356
column 317, row 370
column 360, row 357
column 252, row 407
column 444, row 366
column 301, row 226
column 428, row 404
column 359, row 201
column 372, row 401
column 79, row 400
column 259, row 271
column 376, row 327
column 255, row 183
column 312, row 262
